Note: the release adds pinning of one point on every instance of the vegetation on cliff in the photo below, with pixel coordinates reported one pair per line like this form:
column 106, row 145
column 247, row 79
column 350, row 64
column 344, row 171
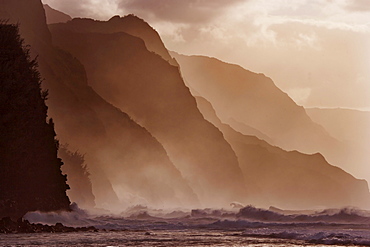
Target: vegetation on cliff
column 30, row 171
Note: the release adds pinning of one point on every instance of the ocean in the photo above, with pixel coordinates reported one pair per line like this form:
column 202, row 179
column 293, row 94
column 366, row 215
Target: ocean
column 247, row 226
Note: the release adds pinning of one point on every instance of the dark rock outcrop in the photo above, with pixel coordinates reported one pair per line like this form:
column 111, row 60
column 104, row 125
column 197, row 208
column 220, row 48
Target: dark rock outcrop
column 7, row 225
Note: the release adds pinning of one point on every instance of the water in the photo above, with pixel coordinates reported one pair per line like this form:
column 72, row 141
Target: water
column 134, row 238
column 245, row 227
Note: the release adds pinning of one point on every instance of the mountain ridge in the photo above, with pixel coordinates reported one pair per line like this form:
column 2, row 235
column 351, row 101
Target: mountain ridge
column 159, row 100
column 261, row 163
column 91, row 125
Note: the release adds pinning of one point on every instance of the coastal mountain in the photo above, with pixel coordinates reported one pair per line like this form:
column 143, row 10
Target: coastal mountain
column 55, row 16
column 151, row 90
column 249, row 101
column 120, row 155
column 273, row 175
column 30, row 171
column 147, row 137
column 351, row 127
column 129, row 24
column 241, row 96
column 346, row 125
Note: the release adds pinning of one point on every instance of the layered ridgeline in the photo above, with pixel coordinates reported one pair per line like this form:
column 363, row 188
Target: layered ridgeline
column 130, row 24
column 255, row 161
column 127, row 164
column 248, row 100
column 251, row 104
column 30, row 171
column 151, row 90
column 289, row 179
column 126, row 70
column 351, row 127
column 55, row 16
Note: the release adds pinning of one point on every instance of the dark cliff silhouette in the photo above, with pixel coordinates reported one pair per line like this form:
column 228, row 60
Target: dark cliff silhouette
column 127, row 164
column 152, row 91
column 289, row 179
column 30, row 171
column 78, row 177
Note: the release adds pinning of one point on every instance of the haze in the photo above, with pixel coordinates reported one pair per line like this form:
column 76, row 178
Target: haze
column 164, row 127
column 316, row 51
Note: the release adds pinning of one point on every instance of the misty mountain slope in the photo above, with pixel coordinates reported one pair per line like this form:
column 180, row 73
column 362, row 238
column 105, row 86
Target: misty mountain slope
column 345, row 124
column 55, row 16
column 134, row 161
column 152, row 91
column 254, row 100
column 289, row 179
column 248, row 130
column 63, row 101
column 118, row 152
column 241, row 127
column 351, row 127
column 78, row 177
column 30, row 171
column 129, row 24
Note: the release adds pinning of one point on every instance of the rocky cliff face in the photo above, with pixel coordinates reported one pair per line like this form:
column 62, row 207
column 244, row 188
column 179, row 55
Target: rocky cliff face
column 289, row 179
column 30, row 174
column 122, row 156
column 152, row 91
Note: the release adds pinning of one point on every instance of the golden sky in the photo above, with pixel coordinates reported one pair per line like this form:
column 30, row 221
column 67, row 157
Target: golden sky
column 318, row 51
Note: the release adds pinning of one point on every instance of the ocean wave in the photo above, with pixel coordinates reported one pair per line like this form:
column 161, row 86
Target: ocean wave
column 344, row 215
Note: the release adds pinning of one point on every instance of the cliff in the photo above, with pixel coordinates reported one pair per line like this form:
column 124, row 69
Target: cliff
column 129, row 24
column 55, row 16
column 289, row 179
column 351, row 127
column 152, row 91
column 121, row 156
column 253, row 100
column 30, row 174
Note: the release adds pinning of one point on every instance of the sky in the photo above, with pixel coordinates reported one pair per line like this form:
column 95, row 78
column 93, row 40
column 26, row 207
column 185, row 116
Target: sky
column 317, row 51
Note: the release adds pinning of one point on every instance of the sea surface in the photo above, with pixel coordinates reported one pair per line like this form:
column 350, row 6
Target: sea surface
column 246, row 226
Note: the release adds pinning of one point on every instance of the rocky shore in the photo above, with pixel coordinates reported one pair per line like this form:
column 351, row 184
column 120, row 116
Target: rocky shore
column 7, row 225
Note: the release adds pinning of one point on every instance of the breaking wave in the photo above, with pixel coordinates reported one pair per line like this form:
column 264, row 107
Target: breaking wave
column 346, row 226
column 345, row 215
